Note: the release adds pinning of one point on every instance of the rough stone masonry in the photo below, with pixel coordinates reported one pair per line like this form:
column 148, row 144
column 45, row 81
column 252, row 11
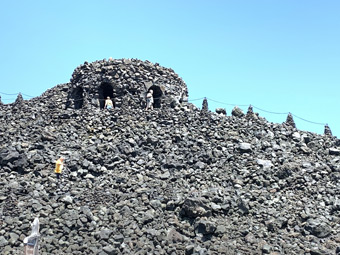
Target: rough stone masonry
column 167, row 181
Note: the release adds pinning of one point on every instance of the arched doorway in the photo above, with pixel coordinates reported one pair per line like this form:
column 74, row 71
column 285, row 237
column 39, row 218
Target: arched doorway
column 157, row 95
column 105, row 90
column 78, row 98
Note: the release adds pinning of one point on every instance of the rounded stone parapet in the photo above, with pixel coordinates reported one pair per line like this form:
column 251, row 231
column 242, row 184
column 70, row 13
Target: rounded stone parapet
column 126, row 82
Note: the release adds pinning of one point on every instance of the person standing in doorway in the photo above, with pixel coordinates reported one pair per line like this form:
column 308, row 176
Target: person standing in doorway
column 149, row 100
column 108, row 103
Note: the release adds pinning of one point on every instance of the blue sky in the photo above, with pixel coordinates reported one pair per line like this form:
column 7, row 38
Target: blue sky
column 280, row 56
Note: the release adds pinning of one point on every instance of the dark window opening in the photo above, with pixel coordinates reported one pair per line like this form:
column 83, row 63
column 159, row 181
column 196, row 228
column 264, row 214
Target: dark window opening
column 78, row 98
column 157, row 95
column 105, row 90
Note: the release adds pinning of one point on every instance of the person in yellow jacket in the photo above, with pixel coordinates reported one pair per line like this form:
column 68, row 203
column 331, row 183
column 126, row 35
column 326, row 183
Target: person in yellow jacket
column 59, row 165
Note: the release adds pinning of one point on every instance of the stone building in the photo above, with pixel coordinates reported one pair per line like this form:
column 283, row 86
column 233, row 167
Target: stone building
column 126, row 81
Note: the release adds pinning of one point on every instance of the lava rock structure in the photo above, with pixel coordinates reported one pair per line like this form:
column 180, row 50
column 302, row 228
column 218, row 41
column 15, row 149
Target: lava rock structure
column 175, row 180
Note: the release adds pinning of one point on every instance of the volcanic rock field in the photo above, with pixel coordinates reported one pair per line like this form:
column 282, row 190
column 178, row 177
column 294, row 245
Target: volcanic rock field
column 174, row 180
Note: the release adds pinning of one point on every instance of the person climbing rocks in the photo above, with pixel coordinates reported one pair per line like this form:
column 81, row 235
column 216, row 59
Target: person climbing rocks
column 108, row 103
column 59, row 165
column 149, row 100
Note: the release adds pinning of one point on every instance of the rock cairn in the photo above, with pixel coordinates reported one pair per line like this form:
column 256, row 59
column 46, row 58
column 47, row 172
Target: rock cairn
column 327, row 131
column 19, row 100
column 290, row 120
column 205, row 107
column 250, row 112
column 167, row 181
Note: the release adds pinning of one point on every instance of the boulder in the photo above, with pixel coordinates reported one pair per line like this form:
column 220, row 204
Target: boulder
column 237, row 112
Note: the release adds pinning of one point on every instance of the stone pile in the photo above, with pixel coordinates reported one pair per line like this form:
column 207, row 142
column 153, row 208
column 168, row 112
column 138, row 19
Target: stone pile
column 167, row 181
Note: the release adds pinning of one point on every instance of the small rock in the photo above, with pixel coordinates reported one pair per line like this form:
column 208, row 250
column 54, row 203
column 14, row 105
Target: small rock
column 3, row 241
column 67, row 199
column 266, row 249
column 318, row 228
column 245, row 147
column 110, row 250
column 221, row 111
column 195, row 208
column 334, row 151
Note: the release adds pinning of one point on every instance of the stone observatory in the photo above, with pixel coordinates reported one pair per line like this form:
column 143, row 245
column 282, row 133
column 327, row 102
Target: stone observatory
column 127, row 82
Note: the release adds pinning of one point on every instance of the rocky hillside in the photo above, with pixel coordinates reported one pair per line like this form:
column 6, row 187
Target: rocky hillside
column 175, row 180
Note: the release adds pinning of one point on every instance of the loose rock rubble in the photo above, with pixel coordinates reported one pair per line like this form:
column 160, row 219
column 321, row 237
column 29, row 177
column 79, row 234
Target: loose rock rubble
column 167, row 181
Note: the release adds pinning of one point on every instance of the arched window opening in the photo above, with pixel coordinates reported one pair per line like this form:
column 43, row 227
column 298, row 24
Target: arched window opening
column 105, row 90
column 78, row 98
column 157, row 94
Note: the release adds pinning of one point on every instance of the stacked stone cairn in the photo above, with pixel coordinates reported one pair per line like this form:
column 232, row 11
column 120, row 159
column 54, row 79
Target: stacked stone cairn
column 166, row 181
